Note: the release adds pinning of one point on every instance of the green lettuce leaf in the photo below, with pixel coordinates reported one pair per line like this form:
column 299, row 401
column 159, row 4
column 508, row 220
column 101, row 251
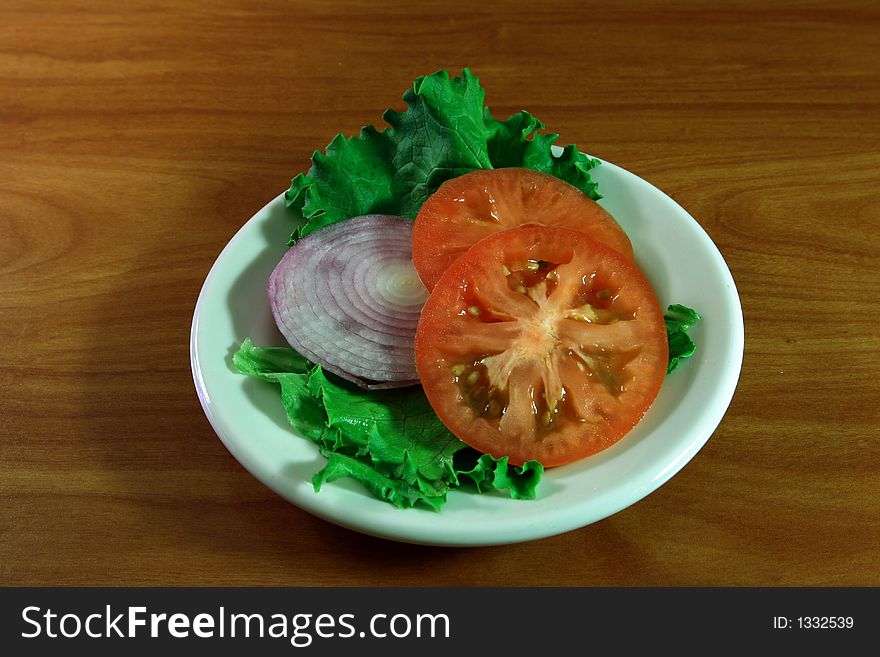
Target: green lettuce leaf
column 354, row 176
column 487, row 473
column 445, row 131
column 394, row 491
column 269, row 362
column 391, row 441
column 517, row 143
column 679, row 320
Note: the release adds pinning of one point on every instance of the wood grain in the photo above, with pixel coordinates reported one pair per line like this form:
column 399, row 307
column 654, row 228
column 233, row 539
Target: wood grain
column 135, row 138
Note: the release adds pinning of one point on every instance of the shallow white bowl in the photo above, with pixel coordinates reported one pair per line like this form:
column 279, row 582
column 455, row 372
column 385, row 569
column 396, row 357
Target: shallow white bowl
column 677, row 256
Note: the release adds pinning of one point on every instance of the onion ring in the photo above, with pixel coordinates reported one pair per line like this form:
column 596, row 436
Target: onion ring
column 348, row 298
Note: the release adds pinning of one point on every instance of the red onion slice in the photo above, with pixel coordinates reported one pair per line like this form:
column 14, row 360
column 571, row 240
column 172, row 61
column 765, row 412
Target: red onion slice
column 348, row 298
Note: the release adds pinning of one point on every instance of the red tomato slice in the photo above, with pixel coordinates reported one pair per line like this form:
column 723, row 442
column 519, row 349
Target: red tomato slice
column 540, row 343
column 470, row 207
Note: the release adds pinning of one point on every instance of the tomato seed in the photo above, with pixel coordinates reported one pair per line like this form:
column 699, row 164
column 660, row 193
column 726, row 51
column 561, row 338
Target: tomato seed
column 481, row 394
column 493, row 409
column 585, row 313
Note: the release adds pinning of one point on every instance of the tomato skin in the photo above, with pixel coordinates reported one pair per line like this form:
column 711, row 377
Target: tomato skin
column 472, row 206
column 555, row 373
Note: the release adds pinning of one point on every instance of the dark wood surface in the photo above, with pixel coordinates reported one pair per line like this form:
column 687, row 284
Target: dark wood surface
column 137, row 137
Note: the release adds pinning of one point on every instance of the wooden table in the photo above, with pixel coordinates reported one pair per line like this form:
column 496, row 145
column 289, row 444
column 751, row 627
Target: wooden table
column 137, row 137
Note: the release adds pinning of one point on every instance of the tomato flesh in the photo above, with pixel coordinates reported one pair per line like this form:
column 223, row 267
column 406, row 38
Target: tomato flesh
column 540, row 343
column 470, row 207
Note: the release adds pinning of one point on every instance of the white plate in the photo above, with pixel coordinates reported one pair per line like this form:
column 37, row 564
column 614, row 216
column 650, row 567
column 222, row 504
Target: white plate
column 679, row 259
